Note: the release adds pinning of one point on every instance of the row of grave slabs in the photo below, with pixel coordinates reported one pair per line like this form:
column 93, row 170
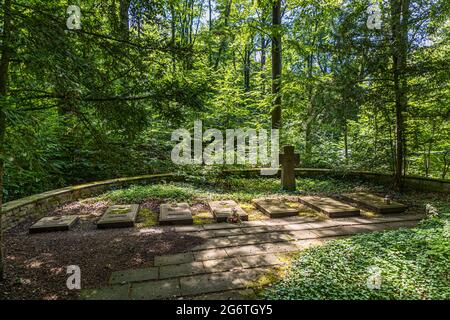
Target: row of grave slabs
column 123, row 216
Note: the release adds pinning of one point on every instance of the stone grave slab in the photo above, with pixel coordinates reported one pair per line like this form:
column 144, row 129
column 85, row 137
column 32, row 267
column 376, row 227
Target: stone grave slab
column 374, row 202
column 275, row 208
column 119, row 216
column 223, row 209
column 175, row 213
column 49, row 224
column 329, row 206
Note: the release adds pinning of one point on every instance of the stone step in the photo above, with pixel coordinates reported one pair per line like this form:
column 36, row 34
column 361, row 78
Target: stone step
column 193, row 268
column 295, row 232
column 305, row 225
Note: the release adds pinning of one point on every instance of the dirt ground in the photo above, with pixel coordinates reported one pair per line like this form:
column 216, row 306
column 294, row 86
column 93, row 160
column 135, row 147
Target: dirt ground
column 36, row 264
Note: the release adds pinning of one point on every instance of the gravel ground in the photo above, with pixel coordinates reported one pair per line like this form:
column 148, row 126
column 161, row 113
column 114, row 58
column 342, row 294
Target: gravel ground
column 36, row 264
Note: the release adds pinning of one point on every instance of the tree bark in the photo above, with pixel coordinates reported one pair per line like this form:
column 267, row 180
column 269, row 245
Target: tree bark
column 124, row 19
column 400, row 17
column 4, row 70
column 223, row 43
column 276, row 64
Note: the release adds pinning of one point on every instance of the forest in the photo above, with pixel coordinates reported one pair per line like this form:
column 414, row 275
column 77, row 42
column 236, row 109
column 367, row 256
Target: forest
column 101, row 101
column 97, row 201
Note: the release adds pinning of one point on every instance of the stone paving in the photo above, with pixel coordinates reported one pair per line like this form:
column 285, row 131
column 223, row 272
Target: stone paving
column 234, row 257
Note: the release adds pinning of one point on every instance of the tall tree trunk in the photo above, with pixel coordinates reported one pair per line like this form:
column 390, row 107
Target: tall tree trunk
column 210, row 29
column 308, row 144
column 400, row 17
column 346, row 139
column 4, row 68
column 263, row 44
column 263, row 63
column 223, row 43
column 124, row 19
column 276, row 64
column 247, row 66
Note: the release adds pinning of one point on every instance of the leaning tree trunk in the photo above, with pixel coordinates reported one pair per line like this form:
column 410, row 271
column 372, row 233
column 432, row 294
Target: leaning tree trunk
column 276, row 64
column 4, row 66
column 400, row 17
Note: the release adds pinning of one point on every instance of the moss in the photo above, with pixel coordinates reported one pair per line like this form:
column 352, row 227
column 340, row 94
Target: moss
column 203, row 217
column 146, row 218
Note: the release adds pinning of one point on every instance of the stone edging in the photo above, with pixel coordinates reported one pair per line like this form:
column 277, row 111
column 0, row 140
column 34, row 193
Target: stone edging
column 411, row 182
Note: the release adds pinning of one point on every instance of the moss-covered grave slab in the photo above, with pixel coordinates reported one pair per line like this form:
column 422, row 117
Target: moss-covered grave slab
column 119, row 216
column 275, row 208
column 223, row 209
column 330, row 207
column 374, row 202
column 175, row 213
column 50, row 224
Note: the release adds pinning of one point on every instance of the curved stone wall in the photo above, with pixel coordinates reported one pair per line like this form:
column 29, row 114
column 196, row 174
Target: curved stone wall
column 36, row 206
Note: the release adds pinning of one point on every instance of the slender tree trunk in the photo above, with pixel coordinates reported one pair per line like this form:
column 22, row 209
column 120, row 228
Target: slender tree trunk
column 247, row 64
column 4, row 70
column 263, row 63
column 173, row 33
column 446, row 164
column 308, row 145
column 124, row 19
column 276, row 64
column 223, row 43
column 346, row 140
column 400, row 17
column 210, row 29
column 263, row 51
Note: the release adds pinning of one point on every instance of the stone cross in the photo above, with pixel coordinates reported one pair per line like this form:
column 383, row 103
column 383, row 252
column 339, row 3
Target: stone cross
column 289, row 160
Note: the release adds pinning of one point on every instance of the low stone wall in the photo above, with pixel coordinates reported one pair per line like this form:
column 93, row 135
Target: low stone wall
column 37, row 206
column 411, row 182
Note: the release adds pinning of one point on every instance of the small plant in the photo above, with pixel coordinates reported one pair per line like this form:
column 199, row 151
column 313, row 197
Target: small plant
column 234, row 218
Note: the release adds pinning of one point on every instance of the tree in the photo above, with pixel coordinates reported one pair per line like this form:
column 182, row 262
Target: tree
column 276, row 63
column 4, row 72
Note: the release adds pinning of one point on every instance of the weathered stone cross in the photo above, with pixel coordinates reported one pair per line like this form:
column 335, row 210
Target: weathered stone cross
column 288, row 160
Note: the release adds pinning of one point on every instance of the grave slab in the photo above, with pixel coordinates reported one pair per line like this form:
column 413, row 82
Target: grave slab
column 49, row 224
column 175, row 213
column 329, row 206
column 275, row 208
column 374, row 202
column 119, row 216
column 223, row 209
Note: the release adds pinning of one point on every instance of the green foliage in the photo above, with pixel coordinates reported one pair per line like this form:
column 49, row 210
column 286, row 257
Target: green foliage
column 236, row 188
column 102, row 102
column 137, row 194
column 413, row 263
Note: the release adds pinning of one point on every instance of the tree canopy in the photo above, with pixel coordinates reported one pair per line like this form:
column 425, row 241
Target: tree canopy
column 100, row 102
